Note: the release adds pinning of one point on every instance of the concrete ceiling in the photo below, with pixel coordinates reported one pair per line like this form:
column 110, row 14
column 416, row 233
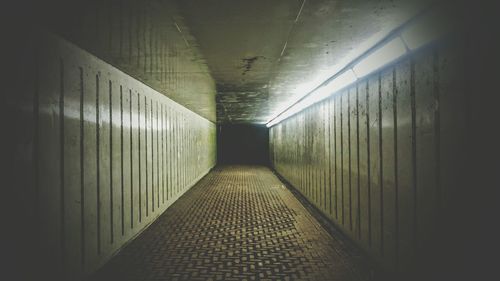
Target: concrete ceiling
column 264, row 54
column 231, row 61
column 147, row 39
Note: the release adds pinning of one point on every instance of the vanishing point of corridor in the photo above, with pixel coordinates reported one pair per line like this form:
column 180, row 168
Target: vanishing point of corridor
column 237, row 223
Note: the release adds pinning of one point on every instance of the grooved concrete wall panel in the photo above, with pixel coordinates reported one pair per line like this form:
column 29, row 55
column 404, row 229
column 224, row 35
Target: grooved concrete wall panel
column 406, row 202
column 374, row 165
column 113, row 154
column 353, row 171
column 388, row 182
column 377, row 158
column 143, row 39
column 364, row 192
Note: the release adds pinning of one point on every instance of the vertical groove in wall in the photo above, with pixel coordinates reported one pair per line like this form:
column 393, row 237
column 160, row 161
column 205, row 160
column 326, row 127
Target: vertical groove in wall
column 335, row 157
column 82, row 172
column 183, row 151
column 157, row 159
column 315, row 186
column 61, row 162
column 358, row 222
column 139, row 151
column 325, row 157
column 131, row 162
column 177, row 162
column 396, row 179
column 381, row 165
column 318, row 157
column 414, row 151
column 311, row 140
column 121, row 166
column 182, row 144
column 172, row 153
column 188, row 151
column 162, row 155
column 342, row 159
column 350, row 153
column 329, row 158
column 168, row 147
column 307, row 150
column 98, row 175
column 167, row 167
column 368, row 163
column 152, row 157
column 111, row 233
column 168, row 171
column 146, row 143
column 175, row 166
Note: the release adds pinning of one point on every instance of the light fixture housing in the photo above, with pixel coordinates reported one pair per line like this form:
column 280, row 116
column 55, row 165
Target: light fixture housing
column 387, row 53
column 414, row 34
column 346, row 78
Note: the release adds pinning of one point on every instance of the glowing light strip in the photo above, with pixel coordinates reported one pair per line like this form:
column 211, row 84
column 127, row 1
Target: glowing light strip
column 341, row 81
column 412, row 37
column 381, row 57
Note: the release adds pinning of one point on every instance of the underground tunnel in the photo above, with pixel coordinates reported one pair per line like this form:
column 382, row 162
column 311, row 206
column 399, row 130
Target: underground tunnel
column 248, row 140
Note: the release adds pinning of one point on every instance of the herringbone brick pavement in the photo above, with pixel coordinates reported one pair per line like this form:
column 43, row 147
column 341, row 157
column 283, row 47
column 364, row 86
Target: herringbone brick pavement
column 237, row 223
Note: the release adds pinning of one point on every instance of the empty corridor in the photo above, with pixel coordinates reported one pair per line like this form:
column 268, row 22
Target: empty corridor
column 237, row 223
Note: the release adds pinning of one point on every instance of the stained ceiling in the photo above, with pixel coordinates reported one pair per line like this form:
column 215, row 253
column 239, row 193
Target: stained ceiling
column 147, row 39
column 264, row 54
column 232, row 61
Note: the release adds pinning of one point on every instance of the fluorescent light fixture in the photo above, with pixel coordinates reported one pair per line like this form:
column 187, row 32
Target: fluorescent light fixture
column 419, row 33
column 341, row 81
column 425, row 30
column 284, row 106
column 291, row 111
column 389, row 52
column 305, row 88
column 336, row 84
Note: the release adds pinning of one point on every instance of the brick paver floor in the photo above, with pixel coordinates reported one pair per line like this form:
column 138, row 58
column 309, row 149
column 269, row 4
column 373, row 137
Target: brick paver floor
column 237, row 223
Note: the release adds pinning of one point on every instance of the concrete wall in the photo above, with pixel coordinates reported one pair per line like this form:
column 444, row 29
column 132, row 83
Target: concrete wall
column 381, row 158
column 146, row 39
column 109, row 155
